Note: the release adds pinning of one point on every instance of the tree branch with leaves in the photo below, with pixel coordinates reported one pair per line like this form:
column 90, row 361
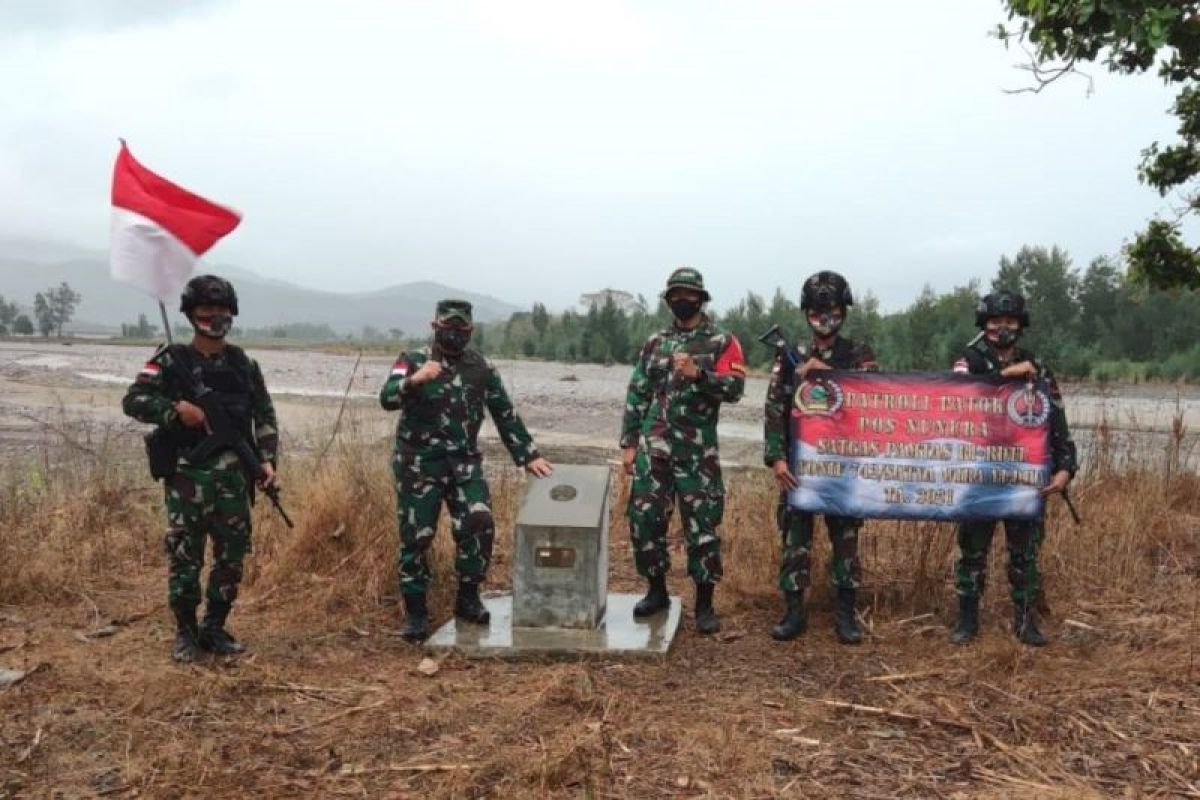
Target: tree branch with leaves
column 1131, row 37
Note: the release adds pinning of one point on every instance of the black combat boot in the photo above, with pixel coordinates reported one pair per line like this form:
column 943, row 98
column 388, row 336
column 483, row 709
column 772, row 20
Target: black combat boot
column 213, row 636
column 416, row 618
column 794, row 622
column 656, row 598
column 468, row 607
column 1025, row 626
column 967, row 627
column 845, row 620
column 186, row 648
column 707, row 621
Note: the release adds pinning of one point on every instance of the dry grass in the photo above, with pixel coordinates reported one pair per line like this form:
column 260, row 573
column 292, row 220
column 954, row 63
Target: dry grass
column 330, row 703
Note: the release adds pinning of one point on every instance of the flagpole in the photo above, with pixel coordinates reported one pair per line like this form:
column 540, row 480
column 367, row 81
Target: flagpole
column 166, row 323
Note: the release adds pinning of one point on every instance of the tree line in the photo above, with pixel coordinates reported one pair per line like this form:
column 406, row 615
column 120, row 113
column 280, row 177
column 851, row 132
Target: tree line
column 52, row 309
column 1093, row 323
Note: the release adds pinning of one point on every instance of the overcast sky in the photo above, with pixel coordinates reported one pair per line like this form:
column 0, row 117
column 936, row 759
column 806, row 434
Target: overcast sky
column 536, row 149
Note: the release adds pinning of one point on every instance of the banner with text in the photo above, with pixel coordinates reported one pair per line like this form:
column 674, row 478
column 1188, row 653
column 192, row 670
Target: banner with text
column 919, row 445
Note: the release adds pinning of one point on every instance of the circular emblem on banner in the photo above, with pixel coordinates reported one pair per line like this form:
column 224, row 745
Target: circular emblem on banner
column 819, row 397
column 1029, row 408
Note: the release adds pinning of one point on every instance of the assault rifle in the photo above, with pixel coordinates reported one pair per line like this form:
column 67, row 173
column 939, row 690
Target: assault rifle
column 792, row 356
column 225, row 435
column 1071, row 506
column 1065, row 495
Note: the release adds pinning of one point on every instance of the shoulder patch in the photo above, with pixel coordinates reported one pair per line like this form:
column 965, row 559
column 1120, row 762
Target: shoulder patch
column 149, row 372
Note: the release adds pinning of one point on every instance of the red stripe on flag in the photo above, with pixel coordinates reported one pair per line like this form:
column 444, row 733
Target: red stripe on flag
column 191, row 219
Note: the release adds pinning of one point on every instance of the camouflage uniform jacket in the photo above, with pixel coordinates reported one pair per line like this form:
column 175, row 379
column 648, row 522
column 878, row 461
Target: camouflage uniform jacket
column 162, row 383
column 843, row 354
column 675, row 417
column 981, row 359
column 441, row 418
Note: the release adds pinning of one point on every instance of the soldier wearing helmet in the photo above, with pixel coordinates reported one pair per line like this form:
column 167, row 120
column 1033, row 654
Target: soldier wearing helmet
column 1002, row 319
column 825, row 298
column 669, row 444
column 209, row 499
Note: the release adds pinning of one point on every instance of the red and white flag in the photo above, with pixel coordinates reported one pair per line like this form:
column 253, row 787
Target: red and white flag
column 160, row 229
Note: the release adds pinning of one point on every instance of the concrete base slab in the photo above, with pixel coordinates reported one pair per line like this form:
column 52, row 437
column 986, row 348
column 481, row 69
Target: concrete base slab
column 619, row 635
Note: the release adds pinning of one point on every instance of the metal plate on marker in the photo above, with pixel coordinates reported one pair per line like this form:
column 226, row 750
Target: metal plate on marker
column 556, row 557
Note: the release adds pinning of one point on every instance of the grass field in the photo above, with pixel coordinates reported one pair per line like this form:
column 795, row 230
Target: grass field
column 330, row 702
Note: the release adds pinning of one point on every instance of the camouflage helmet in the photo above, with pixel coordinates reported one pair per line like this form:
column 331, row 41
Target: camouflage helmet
column 687, row 278
column 1001, row 303
column 450, row 309
column 208, row 290
column 825, row 290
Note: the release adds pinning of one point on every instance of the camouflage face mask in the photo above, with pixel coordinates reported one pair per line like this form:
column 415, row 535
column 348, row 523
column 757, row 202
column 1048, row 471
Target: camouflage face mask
column 826, row 323
column 213, row 326
column 1003, row 335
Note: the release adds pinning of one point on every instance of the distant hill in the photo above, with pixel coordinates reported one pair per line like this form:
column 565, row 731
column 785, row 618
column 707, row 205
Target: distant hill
column 30, row 266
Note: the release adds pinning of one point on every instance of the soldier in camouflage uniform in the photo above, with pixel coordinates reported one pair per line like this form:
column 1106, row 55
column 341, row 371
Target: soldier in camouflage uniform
column 210, row 499
column 669, row 439
column 1002, row 318
column 441, row 395
column 826, row 299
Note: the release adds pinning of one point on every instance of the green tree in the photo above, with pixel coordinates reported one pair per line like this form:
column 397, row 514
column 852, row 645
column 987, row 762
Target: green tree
column 1101, row 296
column 1130, row 37
column 140, row 330
column 44, row 314
column 1049, row 284
column 23, row 325
column 540, row 318
column 62, row 301
column 8, row 313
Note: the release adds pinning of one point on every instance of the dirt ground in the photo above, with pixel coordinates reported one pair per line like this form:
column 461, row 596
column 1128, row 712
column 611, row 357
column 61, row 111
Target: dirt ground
column 333, row 704
column 329, row 702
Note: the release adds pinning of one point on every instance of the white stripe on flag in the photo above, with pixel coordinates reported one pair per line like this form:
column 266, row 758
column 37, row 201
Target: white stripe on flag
column 145, row 255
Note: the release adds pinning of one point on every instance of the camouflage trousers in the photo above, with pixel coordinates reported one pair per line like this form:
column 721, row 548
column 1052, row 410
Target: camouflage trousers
column 213, row 503
column 658, row 483
column 796, row 528
column 422, row 486
column 1024, row 539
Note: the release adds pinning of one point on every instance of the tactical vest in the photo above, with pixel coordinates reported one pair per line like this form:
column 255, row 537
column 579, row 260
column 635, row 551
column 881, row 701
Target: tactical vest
column 841, row 355
column 983, row 360
column 228, row 378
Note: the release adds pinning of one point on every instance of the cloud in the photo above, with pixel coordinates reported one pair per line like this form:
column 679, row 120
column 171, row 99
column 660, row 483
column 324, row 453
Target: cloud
column 51, row 18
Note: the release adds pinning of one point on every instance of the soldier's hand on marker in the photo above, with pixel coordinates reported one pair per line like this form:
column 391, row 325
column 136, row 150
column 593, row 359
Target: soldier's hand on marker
column 429, row 371
column 1057, row 483
column 685, row 366
column 268, row 477
column 191, row 415
column 1024, row 369
column 811, row 364
column 540, row 468
column 783, row 476
column 628, row 455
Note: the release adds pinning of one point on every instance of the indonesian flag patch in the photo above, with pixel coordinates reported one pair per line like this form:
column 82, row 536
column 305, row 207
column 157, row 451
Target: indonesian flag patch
column 149, row 372
column 400, row 369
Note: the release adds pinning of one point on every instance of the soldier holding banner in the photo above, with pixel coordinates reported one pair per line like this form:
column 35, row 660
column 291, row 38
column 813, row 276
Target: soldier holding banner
column 1002, row 318
column 825, row 298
